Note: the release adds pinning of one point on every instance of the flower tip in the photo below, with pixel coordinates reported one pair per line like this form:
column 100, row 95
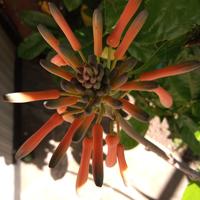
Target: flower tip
column 42, row 29
column 124, row 175
column 46, row 64
column 52, row 164
column 52, row 7
column 13, row 98
column 165, row 97
column 18, row 155
column 43, row 62
column 5, row 97
column 144, row 13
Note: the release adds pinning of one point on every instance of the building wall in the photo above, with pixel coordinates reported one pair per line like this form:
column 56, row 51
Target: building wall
column 7, row 61
column 7, row 170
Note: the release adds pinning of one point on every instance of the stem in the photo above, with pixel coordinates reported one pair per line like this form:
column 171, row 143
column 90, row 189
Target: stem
column 109, row 57
column 98, row 59
column 192, row 174
column 113, row 64
column 82, row 56
column 100, row 115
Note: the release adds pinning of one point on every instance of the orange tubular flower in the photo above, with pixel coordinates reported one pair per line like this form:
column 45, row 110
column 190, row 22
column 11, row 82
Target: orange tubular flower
column 112, row 141
column 171, row 70
column 48, row 37
column 61, row 102
column 122, row 162
column 61, row 110
column 93, row 89
column 131, row 34
column 55, row 44
column 165, row 97
column 134, row 111
column 97, row 159
column 139, row 86
column 114, row 103
column 60, row 20
column 24, row 97
column 55, row 70
column 97, row 32
column 64, row 144
column 85, row 161
column 82, row 130
column 114, row 38
column 57, row 60
column 38, row 136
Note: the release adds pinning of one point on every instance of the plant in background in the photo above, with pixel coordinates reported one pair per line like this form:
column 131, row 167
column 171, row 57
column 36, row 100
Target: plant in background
column 98, row 87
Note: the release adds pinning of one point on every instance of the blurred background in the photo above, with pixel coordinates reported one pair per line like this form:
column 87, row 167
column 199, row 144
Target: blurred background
column 149, row 177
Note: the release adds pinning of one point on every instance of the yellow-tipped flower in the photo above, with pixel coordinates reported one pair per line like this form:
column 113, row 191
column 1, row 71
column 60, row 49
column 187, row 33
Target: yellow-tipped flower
column 97, row 22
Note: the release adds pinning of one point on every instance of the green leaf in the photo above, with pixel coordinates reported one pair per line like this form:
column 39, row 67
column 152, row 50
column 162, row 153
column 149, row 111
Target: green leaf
column 85, row 36
column 31, row 47
column 192, row 191
column 188, row 128
column 112, row 11
column 163, row 53
column 169, row 19
column 139, row 127
column 196, row 109
column 197, row 135
column 72, row 5
column 184, row 88
column 33, row 18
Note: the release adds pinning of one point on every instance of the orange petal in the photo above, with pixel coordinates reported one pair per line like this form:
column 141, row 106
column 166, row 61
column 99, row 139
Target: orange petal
column 55, row 70
column 112, row 141
column 38, row 136
column 57, row 60
column 52, row 41
column 69, row 56
column 165, row 97
column 97, row 31
column 119, row 81
column 82, row 130
column 114, row 103
column 61, row 110
column 97, row 160
column 140, row 86
column 60, row 20
column 134, row 111
column 48, row 37
column 64, row 144
column 114, row 38
column 68, row 117
column 171, row 70
column 83, row 172
column 131, row 34
column 122, row 162
column 62, row 101
column 23, row 97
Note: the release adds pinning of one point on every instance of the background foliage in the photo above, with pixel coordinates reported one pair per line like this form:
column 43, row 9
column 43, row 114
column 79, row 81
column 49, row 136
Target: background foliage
column 170, row 35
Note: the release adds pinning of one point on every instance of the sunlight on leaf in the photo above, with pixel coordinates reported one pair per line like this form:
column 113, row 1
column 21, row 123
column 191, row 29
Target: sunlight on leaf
column 197, row 135
column 192, row 191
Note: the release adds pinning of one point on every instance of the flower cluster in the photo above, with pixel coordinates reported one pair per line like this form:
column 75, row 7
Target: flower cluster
column 92, row 89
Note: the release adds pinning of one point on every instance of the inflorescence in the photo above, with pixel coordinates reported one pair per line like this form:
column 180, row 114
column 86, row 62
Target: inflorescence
column 93, row 88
